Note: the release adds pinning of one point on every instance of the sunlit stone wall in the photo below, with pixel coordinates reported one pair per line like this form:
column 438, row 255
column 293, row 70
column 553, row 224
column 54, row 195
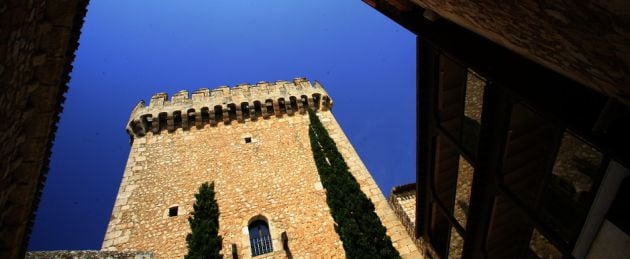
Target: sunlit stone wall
column 262, row 166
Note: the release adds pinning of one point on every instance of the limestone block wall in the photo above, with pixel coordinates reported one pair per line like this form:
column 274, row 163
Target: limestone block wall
column 261, row 164
column 274, row 176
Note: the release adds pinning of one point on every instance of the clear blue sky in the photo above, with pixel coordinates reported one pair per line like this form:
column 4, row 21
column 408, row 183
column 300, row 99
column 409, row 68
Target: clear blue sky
column 130, row 50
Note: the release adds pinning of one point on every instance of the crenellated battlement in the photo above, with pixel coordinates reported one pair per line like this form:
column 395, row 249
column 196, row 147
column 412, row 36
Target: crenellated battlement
column 241, row 103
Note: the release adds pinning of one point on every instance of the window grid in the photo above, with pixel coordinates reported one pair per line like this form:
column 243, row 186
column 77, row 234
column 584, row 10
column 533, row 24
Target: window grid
column 261, row 245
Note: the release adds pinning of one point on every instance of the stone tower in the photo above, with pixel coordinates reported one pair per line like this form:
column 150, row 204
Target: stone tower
column 252, row 141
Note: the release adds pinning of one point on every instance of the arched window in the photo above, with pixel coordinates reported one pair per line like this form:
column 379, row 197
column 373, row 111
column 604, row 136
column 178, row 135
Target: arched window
column 231, row 111
column 145, row 120
column 304, row 101
column 162, row 120
column 257, row 109
column 259, row 237
column 192, row 117
column 316, row 99
column 245, row 110
column 282, row 106
column 269, row 108
column 205, row 115
column 177, row 120
column 218, row 113
column 293, row 104
column 326, row 102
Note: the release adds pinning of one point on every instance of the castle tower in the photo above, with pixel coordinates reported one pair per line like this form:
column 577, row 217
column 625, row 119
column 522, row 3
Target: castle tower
column 252, row 141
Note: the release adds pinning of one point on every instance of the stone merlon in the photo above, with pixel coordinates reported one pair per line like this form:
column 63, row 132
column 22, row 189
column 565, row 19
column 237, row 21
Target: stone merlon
column 226, row 104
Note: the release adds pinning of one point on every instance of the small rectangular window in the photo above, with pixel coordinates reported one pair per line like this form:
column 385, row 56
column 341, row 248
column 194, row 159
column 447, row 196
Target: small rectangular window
column 172, row 212
column 248, row 140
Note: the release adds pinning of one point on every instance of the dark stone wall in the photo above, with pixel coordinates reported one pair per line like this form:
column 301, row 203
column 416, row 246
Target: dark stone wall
column 37, row 44
column 583, row 40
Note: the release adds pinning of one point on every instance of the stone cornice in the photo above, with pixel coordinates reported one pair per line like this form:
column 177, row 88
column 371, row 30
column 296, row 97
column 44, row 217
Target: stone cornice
column 240, row 103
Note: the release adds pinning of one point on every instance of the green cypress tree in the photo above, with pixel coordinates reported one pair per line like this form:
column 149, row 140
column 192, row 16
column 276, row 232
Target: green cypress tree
column 204, row 241
column 358, row 226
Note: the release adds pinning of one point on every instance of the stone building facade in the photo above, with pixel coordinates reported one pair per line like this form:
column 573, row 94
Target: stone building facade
column 252, row 142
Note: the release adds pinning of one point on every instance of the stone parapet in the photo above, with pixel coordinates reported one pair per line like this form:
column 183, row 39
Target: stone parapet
column 240, row 103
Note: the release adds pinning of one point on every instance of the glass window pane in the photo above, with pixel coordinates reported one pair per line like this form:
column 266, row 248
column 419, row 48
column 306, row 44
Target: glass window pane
column 474, row 96
column 456, row 245
column 462, row 194
column 460, row 106
column 541, row 247
column 577, row 163
column 472, row 112
column 569, row 191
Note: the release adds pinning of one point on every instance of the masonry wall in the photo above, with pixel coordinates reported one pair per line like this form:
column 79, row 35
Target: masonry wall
column 37, row 44
column 273, row 176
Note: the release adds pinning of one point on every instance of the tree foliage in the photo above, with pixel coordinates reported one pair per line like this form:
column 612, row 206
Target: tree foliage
column 358, row 226
column 204, row 240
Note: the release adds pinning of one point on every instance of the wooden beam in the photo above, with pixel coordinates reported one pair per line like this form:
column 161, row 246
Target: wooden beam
column 426, row 84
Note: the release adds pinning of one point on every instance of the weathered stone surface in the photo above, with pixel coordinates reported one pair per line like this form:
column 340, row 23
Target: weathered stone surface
column 273, row 176
column 35, row 60
column 586, row 41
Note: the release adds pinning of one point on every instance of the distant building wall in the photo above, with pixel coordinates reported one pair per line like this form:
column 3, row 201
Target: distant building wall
column 402, row 200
